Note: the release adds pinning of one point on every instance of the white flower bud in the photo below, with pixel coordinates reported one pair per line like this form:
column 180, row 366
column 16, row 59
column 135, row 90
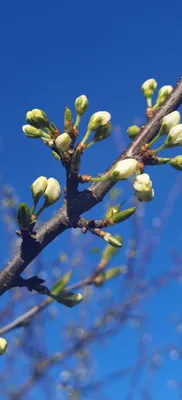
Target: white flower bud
column 3, row 345
column 99, row 118
column 124, row 169
column 148, row 87
column 37, row 118
column 32, row 132
column 63, row 142
column 165, row 91
column 176, row 162
column 81, row 104
column 174, row 137
column 169, row 121
column 163, row 94
column 52, row 192
column 143, row 187
column 38, row 187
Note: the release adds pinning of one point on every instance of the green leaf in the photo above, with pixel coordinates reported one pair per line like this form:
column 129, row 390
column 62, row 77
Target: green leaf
column 110, row 250
column 69, row 299
column 122, row 215
column 60, row 285
column 114, row 242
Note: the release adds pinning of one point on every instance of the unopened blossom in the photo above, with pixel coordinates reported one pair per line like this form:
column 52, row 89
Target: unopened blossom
column 148, row 88
column 81, row 104
column 143, row 187
column 163, row 94
column 174, row 137
column 176, row 162
column 32, row 132
column 149, row 84
column 124, row 169
column 37, row 118
column 52, row 192
column 38, row 187
column 169, row 121
column 99, row 118
column 165, row 91
column 63, row 142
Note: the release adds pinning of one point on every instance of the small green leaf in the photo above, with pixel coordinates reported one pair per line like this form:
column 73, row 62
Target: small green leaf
column 122, row 215
column 69, row 299
column 60, row 285
column 114, row 241
column 109, row 250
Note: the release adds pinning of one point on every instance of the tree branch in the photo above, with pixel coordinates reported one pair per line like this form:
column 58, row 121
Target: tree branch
column 84, row 200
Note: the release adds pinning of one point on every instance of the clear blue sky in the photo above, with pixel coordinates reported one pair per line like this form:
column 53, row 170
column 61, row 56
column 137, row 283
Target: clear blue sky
column 51, row 52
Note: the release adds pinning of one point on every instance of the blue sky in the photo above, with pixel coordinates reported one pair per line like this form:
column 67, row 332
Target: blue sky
column 51, row 52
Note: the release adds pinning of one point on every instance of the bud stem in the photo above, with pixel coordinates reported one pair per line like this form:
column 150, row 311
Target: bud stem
column 90, row 144
column 33, row 208
column 159, row 149
column 78, row 118
column 99, row 179
column 85, row 137
column 149, row 101
column 154, row 140
column 40, row 210
column 161, row 160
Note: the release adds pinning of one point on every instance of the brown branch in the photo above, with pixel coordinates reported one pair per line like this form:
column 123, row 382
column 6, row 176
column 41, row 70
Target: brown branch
column 24, row 319
column 94, row 334
column 85, row 200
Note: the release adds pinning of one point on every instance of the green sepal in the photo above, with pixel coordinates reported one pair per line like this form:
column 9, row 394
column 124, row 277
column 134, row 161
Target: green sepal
column 102, row 132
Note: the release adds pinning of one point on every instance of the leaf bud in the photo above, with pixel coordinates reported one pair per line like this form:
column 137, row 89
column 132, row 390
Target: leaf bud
column 23, row 216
